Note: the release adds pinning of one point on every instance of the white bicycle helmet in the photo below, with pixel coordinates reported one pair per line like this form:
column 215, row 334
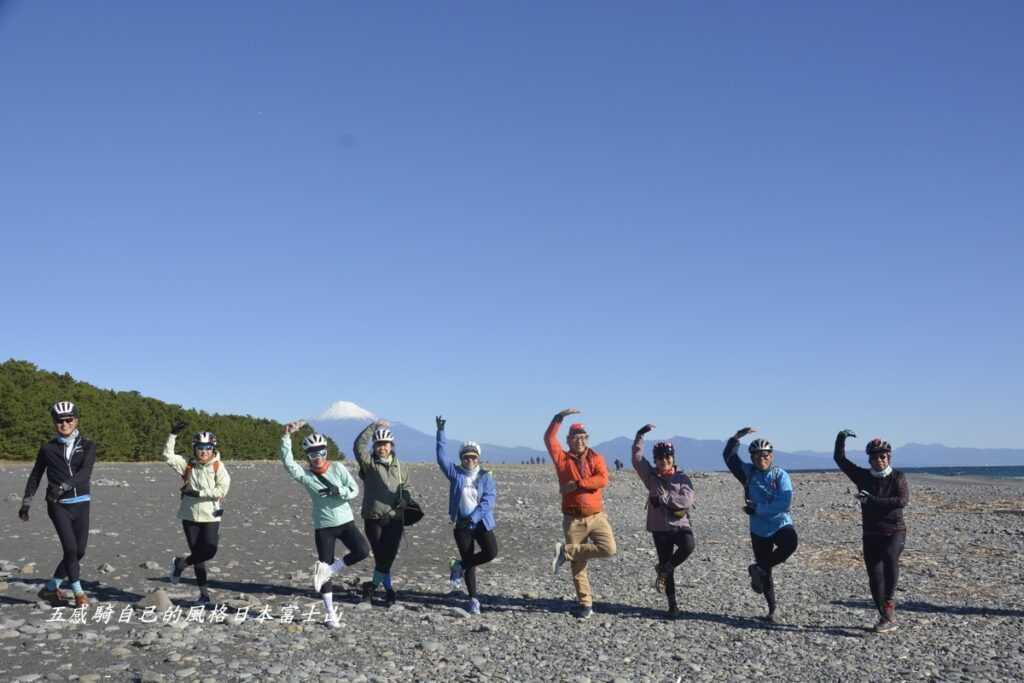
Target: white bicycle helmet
column 314, row 442
column 761, row 445
column 63, row 409
column 383, row 435
column 204, row 439
column 470, row 447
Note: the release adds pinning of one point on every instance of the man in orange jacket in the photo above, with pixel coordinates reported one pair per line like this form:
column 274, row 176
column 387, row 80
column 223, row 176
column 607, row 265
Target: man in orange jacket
column 582, row 474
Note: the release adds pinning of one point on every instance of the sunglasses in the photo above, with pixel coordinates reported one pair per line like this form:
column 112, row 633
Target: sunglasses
column 316, row 455
column 64, row 420
column 204, row 447
column 878, row 456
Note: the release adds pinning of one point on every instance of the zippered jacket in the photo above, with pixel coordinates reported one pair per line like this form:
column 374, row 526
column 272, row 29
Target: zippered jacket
column 74, row 474
column 328, row 511
column 882, row 514
column 380, row 480
column 667, row 496
column 457, row 478
column 771, row 491
column 589, row 472
column 209, row 482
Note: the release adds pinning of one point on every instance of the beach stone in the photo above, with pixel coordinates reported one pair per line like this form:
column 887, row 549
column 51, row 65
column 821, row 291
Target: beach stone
column 89, row 678
column 150, row 564
column 29, row 568
column 157, row 598
column 105, row 568
column 3, row 586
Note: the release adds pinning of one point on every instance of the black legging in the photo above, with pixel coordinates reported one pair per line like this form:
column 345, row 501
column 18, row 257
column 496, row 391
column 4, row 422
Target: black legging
column 882, row 559
column 384, row 536
column 72, row 524
column 202, row 539
column 772, row 551
column 464, row 539
column 673, row 548
column 350, row 537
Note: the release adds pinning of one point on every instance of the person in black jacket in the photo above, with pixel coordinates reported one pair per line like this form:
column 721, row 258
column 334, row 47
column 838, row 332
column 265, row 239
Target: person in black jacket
column 883, row 493
column 67, row 460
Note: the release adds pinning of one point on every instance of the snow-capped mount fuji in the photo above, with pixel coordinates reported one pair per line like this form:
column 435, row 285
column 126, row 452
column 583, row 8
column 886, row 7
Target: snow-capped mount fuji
column 343, row 420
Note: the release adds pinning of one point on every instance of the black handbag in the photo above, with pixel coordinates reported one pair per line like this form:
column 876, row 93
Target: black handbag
column 407, row 506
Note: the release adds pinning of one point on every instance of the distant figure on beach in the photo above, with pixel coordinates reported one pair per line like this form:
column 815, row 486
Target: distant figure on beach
column 67, row 460
column 330, row 488
column 582, row 474
column 618, row 465
column 471, row 496
column 204, row 485
column 383, row 522
column 767, row 494
column 669, row 499
column 883, row 493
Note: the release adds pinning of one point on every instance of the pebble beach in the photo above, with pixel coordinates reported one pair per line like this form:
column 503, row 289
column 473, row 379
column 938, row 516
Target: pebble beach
column 960, row 603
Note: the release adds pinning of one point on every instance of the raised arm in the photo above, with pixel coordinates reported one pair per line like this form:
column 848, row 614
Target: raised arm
column 293, row 469
column 361, row 446
column 447, row 468
column 839, row 455
column 177, row 463
column 551, row 435
column 731, row 455
column 640, row 464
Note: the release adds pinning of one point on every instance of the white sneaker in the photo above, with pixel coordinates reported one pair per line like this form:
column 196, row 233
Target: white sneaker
column 559, row 558
column 332, row 623
column 321, row 575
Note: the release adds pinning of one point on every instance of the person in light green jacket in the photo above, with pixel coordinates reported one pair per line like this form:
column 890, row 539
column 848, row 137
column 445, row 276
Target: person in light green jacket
column 330, row 487
column 204, row 484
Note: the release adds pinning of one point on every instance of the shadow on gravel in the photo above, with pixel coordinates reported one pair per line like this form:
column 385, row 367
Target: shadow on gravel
column 929, row 608
column 102, row 592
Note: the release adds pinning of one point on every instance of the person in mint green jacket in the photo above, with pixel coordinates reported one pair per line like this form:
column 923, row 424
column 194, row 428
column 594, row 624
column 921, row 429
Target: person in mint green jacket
column 330, row 487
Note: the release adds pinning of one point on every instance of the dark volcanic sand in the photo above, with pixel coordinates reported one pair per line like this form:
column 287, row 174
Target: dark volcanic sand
column 960, row 603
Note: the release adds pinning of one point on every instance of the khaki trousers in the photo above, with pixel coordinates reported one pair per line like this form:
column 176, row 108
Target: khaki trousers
column 578, row 531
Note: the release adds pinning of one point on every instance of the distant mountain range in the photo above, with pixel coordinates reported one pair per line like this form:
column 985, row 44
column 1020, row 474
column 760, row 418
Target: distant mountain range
column 413, row 445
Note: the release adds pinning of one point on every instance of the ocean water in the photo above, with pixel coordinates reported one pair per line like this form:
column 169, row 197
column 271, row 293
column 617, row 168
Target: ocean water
column 999, row 471
column 996, row 471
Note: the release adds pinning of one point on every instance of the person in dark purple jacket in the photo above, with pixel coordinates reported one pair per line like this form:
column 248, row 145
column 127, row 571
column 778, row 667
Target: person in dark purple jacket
column 883, row 493
column 669, row 499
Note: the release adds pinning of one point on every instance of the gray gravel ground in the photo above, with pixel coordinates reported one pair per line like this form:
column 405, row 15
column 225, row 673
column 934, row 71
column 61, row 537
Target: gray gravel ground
column 960, row 603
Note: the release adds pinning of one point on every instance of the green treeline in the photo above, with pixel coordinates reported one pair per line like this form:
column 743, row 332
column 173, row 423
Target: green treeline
column 124, row 424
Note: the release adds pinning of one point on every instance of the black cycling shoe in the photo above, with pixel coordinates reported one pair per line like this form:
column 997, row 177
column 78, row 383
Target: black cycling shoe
column 367, row 591
column 389, row 597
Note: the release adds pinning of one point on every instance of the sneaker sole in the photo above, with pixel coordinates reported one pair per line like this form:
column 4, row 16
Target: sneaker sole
column 756, row 584
column 556, row 563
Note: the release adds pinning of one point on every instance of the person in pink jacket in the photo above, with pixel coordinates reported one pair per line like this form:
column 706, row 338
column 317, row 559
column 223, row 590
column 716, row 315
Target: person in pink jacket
column 669, row 499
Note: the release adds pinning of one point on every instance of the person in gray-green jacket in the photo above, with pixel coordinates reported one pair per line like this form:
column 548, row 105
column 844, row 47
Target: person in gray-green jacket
column 383, row 478
column 330, row 487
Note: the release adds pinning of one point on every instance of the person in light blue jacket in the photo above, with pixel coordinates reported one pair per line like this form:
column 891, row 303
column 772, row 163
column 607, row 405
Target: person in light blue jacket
column 330, row 487
column 471, row 495
column 767, row 495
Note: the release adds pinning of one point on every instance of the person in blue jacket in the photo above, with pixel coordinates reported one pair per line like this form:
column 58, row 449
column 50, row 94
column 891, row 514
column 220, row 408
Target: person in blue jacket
column 767, row 494
column 330, row 488
column 471, row 496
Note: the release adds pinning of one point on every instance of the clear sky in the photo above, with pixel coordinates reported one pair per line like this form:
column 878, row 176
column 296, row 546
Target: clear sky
column 802, row 216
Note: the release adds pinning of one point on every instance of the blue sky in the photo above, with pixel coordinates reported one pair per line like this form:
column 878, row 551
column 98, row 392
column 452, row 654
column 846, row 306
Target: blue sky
column 801, row 216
